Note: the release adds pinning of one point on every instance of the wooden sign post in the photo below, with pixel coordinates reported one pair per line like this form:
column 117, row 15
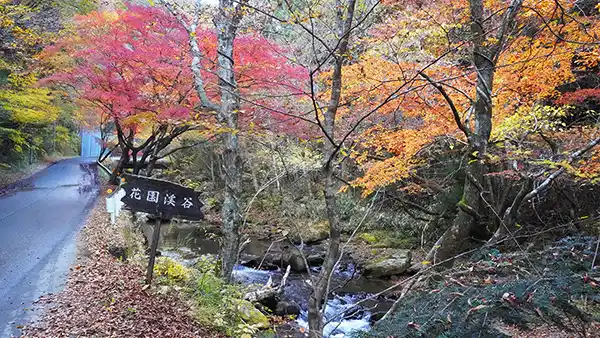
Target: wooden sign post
column 162, row 199
column 153, row 248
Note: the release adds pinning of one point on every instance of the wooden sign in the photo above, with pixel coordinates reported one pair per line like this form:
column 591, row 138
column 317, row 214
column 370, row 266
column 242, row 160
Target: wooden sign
column 161, row 198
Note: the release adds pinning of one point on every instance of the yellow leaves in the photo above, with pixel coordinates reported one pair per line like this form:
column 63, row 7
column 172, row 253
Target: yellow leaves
column 298, row 16
column 529, row 70
column 171, row 270
column 109, row 16
column 20, row 81
column 6, row 22
column 528, row 119
column 403, row 145
column 16, row 137
column 29, row 105
column 139, row 119
column 491, row 41
column 224, row 130
column 588, row 60
column 384, row 173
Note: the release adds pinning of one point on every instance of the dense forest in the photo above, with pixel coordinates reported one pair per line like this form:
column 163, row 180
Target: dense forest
column 444, row 150
column 35, row 121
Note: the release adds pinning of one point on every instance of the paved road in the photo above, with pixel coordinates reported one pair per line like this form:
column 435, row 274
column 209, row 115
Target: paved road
column 39, row 221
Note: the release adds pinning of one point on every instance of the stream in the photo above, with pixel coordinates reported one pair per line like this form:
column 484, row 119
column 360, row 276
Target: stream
column 185, row 242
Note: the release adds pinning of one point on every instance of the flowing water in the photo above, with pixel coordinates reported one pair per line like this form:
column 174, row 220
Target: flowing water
column 186, row 242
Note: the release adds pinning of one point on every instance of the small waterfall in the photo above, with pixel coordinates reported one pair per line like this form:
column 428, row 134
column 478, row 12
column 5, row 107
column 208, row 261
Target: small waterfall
column 340, row 327
column 188, row 245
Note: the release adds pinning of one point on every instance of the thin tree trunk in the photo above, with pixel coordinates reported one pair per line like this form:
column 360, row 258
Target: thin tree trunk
column 253, row 175
column 318, row 297
column 119, row 167
column 319, row 292
column 226, row 23
column 212, row 167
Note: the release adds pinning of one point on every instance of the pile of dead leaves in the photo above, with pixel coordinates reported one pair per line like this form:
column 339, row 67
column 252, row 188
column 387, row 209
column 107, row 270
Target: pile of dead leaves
column 105, row 297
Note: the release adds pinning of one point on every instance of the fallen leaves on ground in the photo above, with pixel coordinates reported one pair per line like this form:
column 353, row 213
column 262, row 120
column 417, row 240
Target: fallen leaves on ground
column 105, row 297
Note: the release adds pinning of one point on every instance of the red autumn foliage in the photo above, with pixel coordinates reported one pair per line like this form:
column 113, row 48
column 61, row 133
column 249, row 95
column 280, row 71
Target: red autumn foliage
column 579, row 96
column 134, row 65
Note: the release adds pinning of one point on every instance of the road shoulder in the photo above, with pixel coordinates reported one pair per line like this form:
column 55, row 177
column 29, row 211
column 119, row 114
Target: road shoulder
column 105, row 295
column 11, row 179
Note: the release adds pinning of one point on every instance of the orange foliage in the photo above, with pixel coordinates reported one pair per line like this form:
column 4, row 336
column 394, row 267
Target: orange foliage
column 536, row 59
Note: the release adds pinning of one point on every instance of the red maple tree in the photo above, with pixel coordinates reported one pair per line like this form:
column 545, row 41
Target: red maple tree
column 130, row 70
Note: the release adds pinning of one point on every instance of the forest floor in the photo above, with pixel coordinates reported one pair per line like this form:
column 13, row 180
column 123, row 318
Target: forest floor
column 105, row 296
column 546, row 292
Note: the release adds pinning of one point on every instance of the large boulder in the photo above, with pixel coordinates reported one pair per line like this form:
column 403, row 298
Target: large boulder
column 287, row 308
column 270, row 261
column 388, row 266
column 294, row 259
column 316, row 259
column 311, row 233
column 251, row 315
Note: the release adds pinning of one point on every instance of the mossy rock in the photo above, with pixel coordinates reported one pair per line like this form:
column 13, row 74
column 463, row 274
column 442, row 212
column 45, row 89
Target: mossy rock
column 251, row 315
column 386, row 239
column 312, row 233
column 293, row 258
column 389, row 266
column 368, row 238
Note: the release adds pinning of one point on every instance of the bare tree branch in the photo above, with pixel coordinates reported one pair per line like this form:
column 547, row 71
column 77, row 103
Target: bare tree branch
column 448, row 99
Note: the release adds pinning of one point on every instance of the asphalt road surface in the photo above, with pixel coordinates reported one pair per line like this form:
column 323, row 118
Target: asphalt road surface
column 39, row 221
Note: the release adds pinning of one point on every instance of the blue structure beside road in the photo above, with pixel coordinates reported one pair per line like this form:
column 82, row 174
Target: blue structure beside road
column 90, row 143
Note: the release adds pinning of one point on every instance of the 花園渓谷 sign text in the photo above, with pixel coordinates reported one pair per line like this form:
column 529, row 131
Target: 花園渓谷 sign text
column 161, row 198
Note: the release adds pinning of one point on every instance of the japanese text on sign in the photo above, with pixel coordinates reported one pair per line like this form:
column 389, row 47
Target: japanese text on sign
column 161, row 198
column 154, row 197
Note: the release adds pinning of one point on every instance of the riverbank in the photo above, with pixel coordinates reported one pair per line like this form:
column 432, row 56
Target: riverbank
column 490, row 284
column 105, row 296
column 263, row 259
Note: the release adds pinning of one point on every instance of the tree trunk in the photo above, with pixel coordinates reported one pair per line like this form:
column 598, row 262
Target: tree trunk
column 466, row 219
column 510, row 214
column 226, row 23
column 119, row 167
column 320, row 291
column 321, row 287
column 485, row 57
column 469, row 207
